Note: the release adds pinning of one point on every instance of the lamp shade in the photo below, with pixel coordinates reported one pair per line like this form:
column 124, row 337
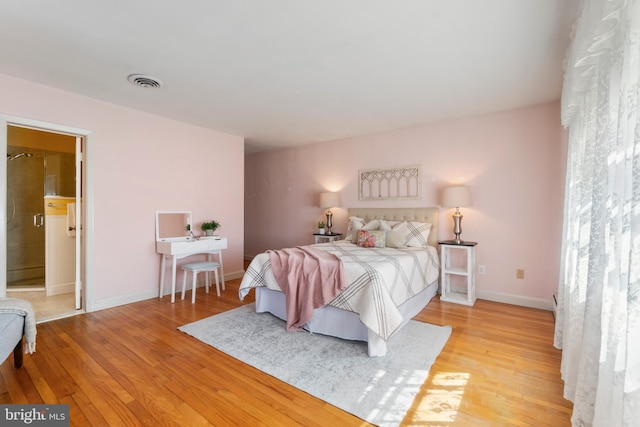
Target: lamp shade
column 454, row 197
column 329, row 200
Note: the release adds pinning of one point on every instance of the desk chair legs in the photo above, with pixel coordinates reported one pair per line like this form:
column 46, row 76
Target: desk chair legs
column 196, row 268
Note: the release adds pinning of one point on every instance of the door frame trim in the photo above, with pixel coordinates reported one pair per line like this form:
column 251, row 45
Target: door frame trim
column 87, row 255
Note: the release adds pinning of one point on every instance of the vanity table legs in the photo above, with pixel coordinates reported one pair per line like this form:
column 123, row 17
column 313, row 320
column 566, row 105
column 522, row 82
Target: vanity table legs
column 163, row 266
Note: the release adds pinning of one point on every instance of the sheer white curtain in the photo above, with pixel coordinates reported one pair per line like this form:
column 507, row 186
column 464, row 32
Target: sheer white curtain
column 598, row 324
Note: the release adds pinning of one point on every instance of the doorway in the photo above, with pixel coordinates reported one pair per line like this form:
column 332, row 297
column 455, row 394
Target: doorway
column 43, row 187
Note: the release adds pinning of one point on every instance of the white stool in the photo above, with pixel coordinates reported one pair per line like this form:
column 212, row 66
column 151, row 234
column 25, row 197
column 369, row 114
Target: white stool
column 196, row 268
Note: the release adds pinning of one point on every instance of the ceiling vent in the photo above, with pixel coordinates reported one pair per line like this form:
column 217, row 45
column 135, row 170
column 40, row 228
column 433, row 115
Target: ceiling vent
column 144, row 81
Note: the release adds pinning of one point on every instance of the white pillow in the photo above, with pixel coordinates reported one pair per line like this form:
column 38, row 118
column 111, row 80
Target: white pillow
column 374, row 224
column 396, row 239
column 418, row 234
column 396, row 233
column 354, row 226
column 386, row 224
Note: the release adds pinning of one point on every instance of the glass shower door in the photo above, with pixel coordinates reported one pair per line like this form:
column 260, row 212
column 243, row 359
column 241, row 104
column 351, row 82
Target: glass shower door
column 25, row 218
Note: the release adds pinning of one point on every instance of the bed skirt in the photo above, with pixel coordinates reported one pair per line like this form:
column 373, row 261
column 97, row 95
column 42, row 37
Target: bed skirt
column 344, row 324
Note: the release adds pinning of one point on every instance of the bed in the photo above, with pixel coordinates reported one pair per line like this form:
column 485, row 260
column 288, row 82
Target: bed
column 387, row 285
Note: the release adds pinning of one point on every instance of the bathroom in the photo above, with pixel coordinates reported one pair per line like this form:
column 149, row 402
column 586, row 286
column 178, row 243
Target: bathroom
column 41, row 182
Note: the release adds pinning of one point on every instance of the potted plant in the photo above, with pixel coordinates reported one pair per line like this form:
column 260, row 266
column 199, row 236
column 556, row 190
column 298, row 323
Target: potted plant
column 209, row 227
column 321, row 227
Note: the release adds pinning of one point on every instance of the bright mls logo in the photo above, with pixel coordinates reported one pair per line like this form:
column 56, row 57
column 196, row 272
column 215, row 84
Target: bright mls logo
column 34, row 415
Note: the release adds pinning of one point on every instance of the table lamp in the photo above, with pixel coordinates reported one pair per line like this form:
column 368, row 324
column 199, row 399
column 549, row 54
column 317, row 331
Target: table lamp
column 329, row 200
column 454, row 197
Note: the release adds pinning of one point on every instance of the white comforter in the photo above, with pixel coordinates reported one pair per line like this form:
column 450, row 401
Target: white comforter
column 379, row 280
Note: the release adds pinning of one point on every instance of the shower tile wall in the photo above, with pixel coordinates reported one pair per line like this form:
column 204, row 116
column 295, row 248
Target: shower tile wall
column 25, row 195
column 27, row 178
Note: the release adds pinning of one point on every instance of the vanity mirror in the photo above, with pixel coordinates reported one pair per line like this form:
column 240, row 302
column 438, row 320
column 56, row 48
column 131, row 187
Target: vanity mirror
column 170, row 225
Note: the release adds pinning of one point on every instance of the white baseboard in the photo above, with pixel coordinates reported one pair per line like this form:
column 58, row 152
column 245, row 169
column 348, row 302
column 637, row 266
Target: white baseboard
column 60, row 288
column 103, row 304
column 141, row 296
column 530, row 302
column 234, row 275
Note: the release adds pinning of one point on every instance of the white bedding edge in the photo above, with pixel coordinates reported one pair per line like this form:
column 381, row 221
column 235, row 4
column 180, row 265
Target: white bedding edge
column 344, row 324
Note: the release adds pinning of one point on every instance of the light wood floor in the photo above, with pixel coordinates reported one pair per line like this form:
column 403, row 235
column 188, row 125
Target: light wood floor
column 129, row 366
column 48, row 308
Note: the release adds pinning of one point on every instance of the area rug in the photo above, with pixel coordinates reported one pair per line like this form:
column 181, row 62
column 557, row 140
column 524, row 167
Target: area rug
column 378, row 390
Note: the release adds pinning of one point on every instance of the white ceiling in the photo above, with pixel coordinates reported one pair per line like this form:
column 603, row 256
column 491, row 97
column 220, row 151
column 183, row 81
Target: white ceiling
column 290, row 72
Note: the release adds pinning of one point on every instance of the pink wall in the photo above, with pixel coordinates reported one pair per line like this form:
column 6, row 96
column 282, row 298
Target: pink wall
column 513, row 162
column 142, row 163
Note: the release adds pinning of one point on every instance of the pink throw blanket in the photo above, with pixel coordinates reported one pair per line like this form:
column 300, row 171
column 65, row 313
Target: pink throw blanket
column 310, row 278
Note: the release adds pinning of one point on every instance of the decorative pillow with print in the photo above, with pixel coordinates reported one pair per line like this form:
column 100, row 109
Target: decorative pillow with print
column 362, row 224
column 418, row 234
column 371, row 238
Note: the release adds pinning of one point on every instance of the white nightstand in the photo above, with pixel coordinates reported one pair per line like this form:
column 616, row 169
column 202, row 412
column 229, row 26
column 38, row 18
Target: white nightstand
column 323, row 238
column 457, row 260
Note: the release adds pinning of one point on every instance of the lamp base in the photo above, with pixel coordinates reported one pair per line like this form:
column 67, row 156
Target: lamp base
column 457, row 226
column 329, row 224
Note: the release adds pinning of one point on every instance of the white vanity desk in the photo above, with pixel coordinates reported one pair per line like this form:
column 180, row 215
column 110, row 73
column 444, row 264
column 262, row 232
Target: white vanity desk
column 177, row 248
column 172, row 244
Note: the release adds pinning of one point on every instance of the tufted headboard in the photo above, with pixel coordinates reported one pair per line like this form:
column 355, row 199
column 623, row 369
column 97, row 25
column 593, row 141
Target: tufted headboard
column 429, row 215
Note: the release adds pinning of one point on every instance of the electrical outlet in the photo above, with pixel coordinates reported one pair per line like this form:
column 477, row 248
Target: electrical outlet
column 520, row 273
column 481, row 269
